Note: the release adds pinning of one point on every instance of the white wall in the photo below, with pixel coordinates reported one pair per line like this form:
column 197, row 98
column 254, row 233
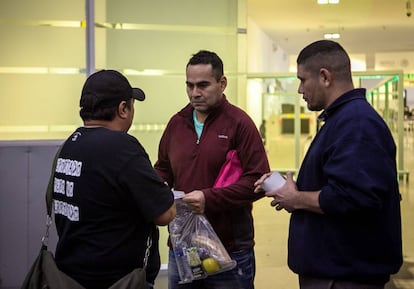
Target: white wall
column 264, row 54
column 395, row 61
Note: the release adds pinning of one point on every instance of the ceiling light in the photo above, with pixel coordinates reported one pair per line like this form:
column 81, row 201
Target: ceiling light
column 323, row 2
column 332, row 35
column 153, row 72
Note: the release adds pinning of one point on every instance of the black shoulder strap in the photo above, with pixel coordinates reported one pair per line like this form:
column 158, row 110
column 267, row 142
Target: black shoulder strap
column 49, row 190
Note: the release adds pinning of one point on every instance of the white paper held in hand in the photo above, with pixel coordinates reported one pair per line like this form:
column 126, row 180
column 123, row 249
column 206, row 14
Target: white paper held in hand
column 273, row 182
column 178, row 194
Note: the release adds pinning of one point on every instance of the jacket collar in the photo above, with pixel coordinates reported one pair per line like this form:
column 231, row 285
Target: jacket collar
column 357, row 93
column 187, row 111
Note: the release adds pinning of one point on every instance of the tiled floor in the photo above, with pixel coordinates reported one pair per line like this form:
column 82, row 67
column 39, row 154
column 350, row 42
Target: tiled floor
column 271, row 239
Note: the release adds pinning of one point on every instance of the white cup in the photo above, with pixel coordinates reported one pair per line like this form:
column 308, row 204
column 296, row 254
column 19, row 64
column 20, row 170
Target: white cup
column 273, row 182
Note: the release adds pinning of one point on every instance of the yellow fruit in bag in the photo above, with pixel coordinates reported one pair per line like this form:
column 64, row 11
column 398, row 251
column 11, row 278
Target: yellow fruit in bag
column 210, row 265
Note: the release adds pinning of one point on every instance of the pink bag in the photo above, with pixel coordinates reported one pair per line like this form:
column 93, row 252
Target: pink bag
column 230, row 172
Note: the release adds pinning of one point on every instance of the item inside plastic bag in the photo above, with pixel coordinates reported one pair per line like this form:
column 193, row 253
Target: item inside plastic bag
column 197, row 248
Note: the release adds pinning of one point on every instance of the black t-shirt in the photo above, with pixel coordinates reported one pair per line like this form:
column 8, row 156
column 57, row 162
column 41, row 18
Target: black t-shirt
column 106, row 194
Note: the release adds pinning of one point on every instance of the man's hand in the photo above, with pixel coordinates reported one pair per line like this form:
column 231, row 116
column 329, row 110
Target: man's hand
column 289, row 198
column 286, row 197
column 258, row 184
column 196, row 201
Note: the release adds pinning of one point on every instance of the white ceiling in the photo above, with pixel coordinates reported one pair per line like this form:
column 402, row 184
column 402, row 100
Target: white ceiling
column 366, row 26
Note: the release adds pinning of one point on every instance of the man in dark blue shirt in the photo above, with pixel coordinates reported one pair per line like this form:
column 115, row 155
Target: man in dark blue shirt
column 345, row 228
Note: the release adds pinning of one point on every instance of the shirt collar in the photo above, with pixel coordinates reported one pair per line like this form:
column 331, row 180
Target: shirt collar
column 353, row 94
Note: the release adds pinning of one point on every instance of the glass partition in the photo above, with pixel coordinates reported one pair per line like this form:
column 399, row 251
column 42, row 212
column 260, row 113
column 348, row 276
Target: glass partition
column 43, row 59
column 288, row 127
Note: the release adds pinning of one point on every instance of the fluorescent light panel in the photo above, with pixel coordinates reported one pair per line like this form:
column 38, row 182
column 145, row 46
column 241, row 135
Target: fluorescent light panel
column 39, row 70
column 332, row 35
column 323, row 2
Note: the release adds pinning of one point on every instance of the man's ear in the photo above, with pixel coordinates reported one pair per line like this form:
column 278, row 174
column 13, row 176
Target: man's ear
column 223, row 83
column 122, row 109
column 326, row 76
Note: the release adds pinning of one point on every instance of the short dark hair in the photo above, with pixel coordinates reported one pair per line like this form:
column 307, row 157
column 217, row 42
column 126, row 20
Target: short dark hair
column 101, row 113
column 326, row 54
column 208, row 57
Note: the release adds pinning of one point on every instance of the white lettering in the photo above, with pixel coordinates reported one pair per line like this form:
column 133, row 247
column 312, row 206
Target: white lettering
column 69, row 211
column 69, row 167
column 69, row 189
column 59, row 186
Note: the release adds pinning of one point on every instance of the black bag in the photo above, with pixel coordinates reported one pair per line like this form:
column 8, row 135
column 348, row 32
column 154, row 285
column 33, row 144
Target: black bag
column 44, row 273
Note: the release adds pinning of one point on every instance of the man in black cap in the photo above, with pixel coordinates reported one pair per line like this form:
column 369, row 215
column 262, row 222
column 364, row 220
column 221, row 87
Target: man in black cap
column 107, row 197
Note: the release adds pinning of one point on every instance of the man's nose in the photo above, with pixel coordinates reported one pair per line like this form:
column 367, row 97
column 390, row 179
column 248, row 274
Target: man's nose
column 194, row 91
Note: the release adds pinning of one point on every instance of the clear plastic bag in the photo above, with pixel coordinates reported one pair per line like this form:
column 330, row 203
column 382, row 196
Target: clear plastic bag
column 198, row 251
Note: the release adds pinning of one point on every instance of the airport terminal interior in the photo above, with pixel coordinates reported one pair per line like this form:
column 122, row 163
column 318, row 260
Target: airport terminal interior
column 47, row 49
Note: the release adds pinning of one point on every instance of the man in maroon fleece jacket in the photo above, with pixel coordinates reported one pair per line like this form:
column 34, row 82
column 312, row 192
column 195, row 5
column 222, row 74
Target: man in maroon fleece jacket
column 191, row 152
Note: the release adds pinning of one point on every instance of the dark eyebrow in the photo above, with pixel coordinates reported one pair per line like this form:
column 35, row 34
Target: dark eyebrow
column 200, row 83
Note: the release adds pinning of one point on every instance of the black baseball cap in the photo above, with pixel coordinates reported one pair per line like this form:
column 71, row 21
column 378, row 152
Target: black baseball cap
column 107, row 88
